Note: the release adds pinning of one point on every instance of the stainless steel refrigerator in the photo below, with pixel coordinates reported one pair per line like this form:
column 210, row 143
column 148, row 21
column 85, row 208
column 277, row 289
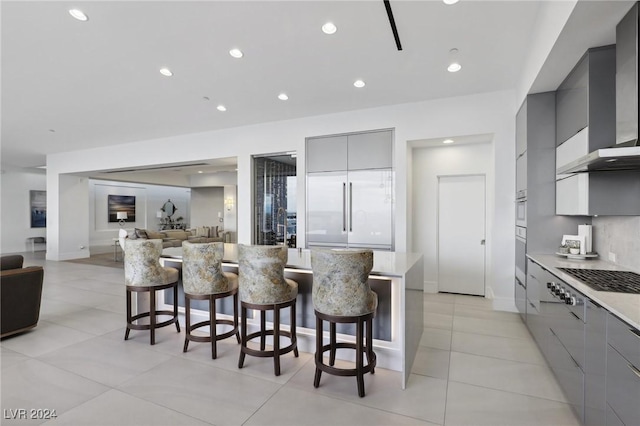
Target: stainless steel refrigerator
column 351, row 209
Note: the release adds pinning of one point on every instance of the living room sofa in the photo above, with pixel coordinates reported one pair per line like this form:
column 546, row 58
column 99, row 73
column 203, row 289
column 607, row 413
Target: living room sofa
column 175, row 237
column 20, row 295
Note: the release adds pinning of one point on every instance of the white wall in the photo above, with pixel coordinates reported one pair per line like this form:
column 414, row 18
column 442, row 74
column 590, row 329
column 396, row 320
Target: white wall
column 149, row 199
column 488, row 113
column 428, row 165
column 15, row 216
column 206, row 203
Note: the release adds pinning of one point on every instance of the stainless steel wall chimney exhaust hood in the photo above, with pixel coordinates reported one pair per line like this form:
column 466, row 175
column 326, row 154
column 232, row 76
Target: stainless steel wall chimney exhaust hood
column 618, row 158
column 625, row 154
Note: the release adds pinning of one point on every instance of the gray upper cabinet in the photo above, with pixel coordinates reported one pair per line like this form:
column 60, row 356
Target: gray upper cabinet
column 571, row 102
column 370, row 150
column 327, row 154
column 358, row 151
column 521, row 130
column 587, row 97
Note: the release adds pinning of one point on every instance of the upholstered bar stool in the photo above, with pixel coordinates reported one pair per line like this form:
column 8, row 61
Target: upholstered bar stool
column 341, row 294
column 263, row 288
column 204, row 279
column 144, row 274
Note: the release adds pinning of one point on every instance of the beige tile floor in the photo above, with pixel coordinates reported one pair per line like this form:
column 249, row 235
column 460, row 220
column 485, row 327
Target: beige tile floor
column 475, row 366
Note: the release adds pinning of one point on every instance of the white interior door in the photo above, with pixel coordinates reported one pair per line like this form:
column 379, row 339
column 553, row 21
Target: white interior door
column 461, row 234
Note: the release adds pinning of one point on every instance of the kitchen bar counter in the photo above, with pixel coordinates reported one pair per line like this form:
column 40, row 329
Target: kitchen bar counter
column 623, row 305
column 397, row 277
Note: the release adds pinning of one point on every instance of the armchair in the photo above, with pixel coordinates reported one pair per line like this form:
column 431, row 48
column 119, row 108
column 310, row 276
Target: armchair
column 20, row 295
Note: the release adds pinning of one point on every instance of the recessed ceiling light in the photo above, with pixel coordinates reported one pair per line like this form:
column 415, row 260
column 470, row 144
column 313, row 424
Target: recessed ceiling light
column 450, row 2
column 447, row 141
column 283, row 96
column 78, row 14
column 236, row 53
column 200, row 171
column 221, row 108
column 454, row 67
column 166, row 72
column 329, row 28
column 359, row 83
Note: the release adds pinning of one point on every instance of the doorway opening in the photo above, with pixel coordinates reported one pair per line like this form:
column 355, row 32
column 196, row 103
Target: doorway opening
column 275, row 186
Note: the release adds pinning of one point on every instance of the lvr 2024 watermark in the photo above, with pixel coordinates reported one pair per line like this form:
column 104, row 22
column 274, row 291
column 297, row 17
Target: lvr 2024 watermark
column 28, row 414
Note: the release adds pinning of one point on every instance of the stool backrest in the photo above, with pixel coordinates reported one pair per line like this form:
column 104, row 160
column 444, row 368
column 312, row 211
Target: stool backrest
column 341, row 282
column 261, row 274
column 141, row 263
column 122, row 235
column 202, row 268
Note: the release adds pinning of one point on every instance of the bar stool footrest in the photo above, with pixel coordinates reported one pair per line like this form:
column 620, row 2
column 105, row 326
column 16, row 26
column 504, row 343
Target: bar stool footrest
column 368, row 368
column 204, row 339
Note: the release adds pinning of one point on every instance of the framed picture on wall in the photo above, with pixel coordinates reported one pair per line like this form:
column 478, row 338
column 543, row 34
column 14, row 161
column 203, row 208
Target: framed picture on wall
column 38, row 208
column 121, row 204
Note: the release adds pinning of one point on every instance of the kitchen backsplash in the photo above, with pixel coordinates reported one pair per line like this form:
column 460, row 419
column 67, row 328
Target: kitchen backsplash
column 619, row 235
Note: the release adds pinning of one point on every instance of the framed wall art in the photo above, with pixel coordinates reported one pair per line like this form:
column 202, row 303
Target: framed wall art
column 38, row 208
column 121, row 203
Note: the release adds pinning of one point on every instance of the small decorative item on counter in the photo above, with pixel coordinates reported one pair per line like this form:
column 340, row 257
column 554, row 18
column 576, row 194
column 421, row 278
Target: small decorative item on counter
column 563, row 249
column 574, row 250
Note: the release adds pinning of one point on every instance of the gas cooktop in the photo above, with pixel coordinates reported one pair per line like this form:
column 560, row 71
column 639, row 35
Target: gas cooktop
column 603, row 280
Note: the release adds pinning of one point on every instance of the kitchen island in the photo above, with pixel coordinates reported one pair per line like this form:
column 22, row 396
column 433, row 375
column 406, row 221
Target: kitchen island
column 398, row 278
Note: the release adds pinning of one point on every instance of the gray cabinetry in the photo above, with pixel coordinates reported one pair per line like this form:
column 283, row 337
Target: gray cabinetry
column 350, row 182
column 558, row 328
column 623, row 371
column 371, row 150
column 586, row 122
column 595, row 405
column 587, row 98
column 521, row 130
column 571, row 102
column 325, row 154
column 359, row 151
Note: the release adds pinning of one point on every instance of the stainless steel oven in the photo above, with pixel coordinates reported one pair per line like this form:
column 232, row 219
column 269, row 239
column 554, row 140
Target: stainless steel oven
column 521, row 212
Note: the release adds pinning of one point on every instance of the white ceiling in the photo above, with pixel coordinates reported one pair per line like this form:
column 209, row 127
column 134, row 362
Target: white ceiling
column 69, row 85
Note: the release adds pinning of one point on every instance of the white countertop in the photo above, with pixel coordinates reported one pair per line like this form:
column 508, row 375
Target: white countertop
column 384, row 262
column 623, row 305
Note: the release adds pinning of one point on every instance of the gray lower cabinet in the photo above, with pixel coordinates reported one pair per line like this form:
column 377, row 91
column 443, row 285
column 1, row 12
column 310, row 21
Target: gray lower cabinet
column 594, row 356
column 521, row 298
column 623, row 372
column 595, row 391
column 611, row 419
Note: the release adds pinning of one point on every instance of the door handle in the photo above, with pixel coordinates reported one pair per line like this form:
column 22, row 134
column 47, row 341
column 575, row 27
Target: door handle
column 344, row 207
column 350, row 206
column 482, row 242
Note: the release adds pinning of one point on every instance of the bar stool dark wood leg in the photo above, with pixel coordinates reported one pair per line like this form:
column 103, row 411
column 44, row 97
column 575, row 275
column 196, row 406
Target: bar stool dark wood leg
column 175, row 307
column 359, row 356
column 332, row 342
column 235, row 316
column 263, row 329
column 212, row 327
column 294, row 336
column 187, row 321
column 129, row 320
column 276, row 341
column 243, row 343
column 318, row 355
column 370, row 344
column 152, row 315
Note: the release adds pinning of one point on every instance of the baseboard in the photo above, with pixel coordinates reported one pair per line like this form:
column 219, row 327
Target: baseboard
column 81, row 254
column 504, row 304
